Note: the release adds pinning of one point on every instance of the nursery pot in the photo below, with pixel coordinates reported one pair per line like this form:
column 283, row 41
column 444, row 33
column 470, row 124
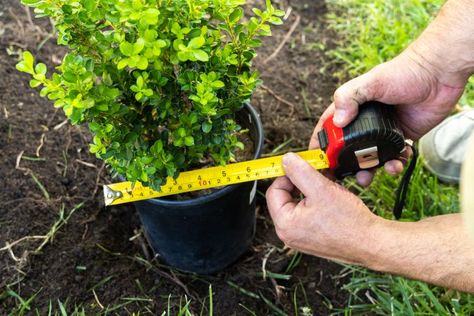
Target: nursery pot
column 207, row 233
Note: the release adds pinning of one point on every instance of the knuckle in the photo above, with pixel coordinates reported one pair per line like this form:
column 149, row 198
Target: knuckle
column 283, row 234
column 268, row 194
column 340, row 96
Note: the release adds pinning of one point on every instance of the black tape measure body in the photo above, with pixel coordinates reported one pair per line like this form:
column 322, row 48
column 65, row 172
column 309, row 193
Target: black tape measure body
column 369, row 141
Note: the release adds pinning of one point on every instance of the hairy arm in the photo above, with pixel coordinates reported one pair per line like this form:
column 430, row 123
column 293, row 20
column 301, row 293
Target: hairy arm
column 333, row 223
column 436, row 250
column 424, row 82
column 447, row 44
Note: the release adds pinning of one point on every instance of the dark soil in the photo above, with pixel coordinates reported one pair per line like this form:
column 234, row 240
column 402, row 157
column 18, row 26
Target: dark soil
column 96, row 257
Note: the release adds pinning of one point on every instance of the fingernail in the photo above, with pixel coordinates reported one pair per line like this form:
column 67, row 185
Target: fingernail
column 339, row 117
column 288, row 158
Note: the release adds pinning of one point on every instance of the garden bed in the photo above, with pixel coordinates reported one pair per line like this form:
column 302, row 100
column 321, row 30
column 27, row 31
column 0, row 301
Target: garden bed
column 61, row 246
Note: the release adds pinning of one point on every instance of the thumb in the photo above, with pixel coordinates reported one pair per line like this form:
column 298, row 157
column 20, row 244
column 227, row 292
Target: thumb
column 354, row 93
column 307, row 179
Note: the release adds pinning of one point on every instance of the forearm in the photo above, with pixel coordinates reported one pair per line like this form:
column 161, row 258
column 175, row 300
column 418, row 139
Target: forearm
column 436, row 250
column 447, row 44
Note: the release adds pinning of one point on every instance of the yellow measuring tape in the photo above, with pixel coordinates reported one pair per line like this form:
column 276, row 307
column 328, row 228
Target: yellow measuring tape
column 207, row 178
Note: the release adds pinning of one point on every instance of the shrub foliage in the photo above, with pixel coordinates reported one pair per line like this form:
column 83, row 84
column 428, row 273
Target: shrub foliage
column 157, row 81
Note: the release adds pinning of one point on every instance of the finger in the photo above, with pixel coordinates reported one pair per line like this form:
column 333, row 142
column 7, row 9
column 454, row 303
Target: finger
column 406, row 154
column 394, row 167
column 280, row 197
column 314, row 141
column 354, row 93
column 303, row 176
column 365, row 177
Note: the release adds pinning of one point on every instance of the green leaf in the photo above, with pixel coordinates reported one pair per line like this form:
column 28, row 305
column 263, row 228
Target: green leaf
column 140, row 82
column 160, row 43
column 150, row 16
column 69, row 76
column 157, row 147
column 175, row 28
column 29, row 59
column 89, row 5
column 196, row 42
column 178, row 142
column 236, row 15
column 34, row 83
column 26, row 65
column 137, row 5
column 189, row 141
column 257, row 12
column 22, row 67
column 127, row 48
column 150, row 35
column 206, row 127
column 183, row 56
column 275, row 20
column 252, row 24
column 41, row 69
column 103, row 107
column 144, row 176
column 200, row 55
column 138, row 46
column 122, row 64
column 255, row 43
column 279, row 13
column 142, row 63
column 218, row 84
column 181, row 132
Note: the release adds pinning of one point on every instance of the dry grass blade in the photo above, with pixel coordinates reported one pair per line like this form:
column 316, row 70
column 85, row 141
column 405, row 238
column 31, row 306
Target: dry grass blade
column 282, row 100
column 285, row 40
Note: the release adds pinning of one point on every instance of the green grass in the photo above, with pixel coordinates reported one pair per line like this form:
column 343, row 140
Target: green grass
column 369, row 33
column 384, row 294
column 177, row 306
column 373, row 31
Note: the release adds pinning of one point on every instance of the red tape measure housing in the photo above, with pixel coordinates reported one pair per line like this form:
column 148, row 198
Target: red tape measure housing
column 331, row 140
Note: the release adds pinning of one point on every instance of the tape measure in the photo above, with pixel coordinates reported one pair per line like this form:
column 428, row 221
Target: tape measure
column 372, row 139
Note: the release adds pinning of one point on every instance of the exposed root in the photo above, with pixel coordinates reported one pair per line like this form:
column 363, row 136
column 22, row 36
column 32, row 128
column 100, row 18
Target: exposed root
column 97, row 180
column 282, row 100
column 26, row 171
column 60, row 125
column 43, row 136
column 85, row 163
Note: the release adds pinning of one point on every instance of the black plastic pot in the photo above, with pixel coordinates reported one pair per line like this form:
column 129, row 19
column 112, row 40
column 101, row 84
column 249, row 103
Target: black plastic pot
column 208, row 233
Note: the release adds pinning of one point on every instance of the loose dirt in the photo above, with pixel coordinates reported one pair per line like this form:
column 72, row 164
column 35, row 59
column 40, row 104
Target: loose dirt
column 71, row 248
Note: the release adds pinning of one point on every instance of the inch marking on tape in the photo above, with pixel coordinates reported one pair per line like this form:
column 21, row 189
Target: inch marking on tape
column 207, row 178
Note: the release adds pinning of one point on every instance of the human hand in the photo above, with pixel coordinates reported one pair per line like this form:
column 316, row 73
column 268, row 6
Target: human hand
column 422, row 98
column 329, row 222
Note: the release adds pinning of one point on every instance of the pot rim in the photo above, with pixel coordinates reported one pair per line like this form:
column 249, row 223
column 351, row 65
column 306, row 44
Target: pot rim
column 255, row 117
